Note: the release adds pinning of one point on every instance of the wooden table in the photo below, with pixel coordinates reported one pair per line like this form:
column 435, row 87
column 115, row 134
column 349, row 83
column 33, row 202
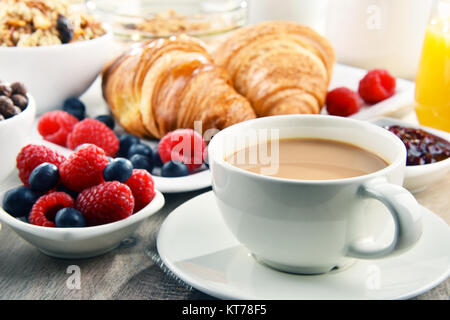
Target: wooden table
column 127, row 272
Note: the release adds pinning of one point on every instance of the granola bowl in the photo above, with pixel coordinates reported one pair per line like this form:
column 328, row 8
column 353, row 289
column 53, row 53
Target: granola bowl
column 56, row 72
column 57, row 49
column 147, row 19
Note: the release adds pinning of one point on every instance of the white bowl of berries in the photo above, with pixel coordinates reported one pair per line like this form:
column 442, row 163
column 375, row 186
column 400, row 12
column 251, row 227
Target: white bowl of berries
column 15, row 123
column 78, row 207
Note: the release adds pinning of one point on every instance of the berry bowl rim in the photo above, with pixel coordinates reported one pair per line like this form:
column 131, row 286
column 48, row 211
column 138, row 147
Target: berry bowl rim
column 80, row 233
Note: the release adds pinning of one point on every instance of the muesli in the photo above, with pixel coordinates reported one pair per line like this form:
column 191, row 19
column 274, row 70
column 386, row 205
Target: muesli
column 27, row 23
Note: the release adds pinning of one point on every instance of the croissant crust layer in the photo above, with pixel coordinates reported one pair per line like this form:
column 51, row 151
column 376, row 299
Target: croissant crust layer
column 158, row 86
column 281, row 67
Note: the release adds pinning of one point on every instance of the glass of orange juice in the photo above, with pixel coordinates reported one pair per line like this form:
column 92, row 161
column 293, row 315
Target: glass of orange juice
column 432, row 97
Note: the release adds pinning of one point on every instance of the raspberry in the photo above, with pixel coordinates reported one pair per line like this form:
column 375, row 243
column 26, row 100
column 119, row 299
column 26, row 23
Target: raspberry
column 142, row 186
column 55, row 126
column 33, row 155
column 183, row 145
column 95, row 132
column 44, row 210
column 107, row 202
column 376, row 86
column 83, row 168
column 343, row 102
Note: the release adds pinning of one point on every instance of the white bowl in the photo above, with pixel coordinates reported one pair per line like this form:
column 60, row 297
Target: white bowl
column 57, row 72
column 76, row 243
column 14, row 134
column 418, row 178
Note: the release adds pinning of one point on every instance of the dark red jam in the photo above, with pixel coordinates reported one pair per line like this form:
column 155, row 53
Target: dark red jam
column 423, row 147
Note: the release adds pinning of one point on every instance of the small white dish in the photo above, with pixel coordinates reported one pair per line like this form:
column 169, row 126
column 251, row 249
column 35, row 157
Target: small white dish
column 195, row 244
column 400, row 103
column 418, row 178
column 56, row 72
column 195, row 181
column 77, row 243
column 192, row 182
column 14, row 134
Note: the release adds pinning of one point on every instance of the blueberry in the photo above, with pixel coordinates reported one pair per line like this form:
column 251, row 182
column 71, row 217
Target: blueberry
column 108, row 120
column 65, row 28
column 126, row 141
column 120, row 169
column 75, row 107
column 44, row 177
column 157, row 162
column 140, row 161
column 62, row 188
column 23, row 219
column 19, row 201
column 173, row 169
column 140, row 148
column 69, row 218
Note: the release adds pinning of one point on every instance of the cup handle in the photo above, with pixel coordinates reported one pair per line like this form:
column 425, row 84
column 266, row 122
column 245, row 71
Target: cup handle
column 407, row 217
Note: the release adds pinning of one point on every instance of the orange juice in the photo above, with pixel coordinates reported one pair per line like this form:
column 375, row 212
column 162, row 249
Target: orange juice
column 433, row 77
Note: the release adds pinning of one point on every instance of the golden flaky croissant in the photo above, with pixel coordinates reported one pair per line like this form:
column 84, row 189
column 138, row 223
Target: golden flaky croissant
column 281, row 67
column 165, row 84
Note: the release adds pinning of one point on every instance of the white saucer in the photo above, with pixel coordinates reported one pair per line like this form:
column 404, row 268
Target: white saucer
column 192, row 182
column 196, row 245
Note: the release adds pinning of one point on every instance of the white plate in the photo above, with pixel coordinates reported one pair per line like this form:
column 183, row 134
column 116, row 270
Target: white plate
column 399, row 104
column 418, row 178
column 195, row 244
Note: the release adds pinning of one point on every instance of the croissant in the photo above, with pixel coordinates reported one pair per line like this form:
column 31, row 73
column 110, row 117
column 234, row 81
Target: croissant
column 281, row 67
column 165, row 84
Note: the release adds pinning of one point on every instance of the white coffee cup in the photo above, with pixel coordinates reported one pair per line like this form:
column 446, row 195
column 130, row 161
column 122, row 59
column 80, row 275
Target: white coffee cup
column 312, row 226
